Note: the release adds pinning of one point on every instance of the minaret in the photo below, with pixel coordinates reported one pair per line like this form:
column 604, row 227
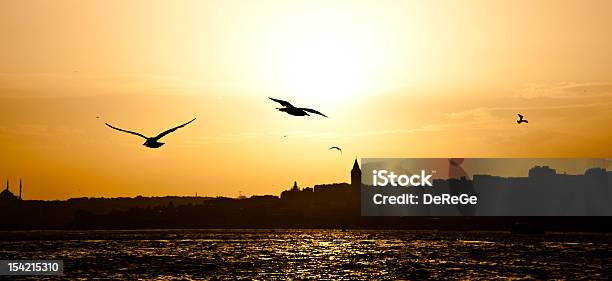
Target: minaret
column 20, row 186
column 6, row 184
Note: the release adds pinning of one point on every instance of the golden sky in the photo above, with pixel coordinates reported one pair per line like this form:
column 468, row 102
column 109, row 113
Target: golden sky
column 396, row 78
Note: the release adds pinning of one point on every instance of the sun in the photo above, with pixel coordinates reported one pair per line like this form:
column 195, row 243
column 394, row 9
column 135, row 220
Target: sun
column 324, row 68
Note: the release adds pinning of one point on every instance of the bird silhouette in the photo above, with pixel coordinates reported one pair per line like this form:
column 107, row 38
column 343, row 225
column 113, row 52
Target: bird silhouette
column 521, row 120
column 153, row 141
column 295, row 111
column 337, row 148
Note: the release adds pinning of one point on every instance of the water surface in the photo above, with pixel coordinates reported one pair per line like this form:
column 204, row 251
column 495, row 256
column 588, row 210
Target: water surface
column 316, row 254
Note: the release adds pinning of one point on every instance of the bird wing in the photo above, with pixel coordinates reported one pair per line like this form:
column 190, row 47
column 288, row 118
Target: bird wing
column 313, row 111
column 335, row 147
column 283, row 103
column 126, row 131
column 520, row 116
column 161, row 135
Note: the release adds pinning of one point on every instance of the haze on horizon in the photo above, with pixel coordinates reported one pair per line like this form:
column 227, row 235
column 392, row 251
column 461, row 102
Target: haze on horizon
column 396, row 78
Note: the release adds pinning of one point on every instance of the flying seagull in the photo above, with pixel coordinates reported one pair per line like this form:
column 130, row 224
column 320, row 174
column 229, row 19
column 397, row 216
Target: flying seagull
column 152, row 142
column 295, row 111
column 337, row 148
column 521, row 120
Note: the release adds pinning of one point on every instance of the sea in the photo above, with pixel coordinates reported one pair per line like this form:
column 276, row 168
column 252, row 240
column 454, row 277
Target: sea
column 276, row 254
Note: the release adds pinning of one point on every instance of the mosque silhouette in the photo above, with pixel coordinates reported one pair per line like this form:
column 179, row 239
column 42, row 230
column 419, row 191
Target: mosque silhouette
column 7, row 195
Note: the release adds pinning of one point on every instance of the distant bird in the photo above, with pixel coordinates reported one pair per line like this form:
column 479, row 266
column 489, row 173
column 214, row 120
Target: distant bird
column 337, row 148
column 521, row 120
column 295, row 111
column 152, row 142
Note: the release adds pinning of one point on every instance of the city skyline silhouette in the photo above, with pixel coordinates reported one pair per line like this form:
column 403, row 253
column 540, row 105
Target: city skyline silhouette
column 338, row 205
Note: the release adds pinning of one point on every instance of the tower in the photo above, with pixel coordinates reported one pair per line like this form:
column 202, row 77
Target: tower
column 295, row 186
column 20, row 186
column 7, row 185
column 356, row 176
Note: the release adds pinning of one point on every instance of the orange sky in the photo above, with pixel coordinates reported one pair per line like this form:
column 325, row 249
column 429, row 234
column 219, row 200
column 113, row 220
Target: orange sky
column 396, row 78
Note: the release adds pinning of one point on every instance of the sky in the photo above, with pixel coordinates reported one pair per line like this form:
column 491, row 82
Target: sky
column 396, row 78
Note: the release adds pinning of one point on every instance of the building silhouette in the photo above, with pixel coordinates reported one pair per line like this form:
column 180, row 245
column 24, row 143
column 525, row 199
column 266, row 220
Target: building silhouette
column 336, row 194
column 356, row 176
column 296, row 195
column 546, row 192
column 7, row 195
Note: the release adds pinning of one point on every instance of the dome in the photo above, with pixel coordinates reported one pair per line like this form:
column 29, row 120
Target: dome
column 7, row 195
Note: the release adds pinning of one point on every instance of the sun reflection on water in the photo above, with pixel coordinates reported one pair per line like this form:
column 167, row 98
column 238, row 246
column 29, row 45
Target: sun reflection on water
column 318, row 254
